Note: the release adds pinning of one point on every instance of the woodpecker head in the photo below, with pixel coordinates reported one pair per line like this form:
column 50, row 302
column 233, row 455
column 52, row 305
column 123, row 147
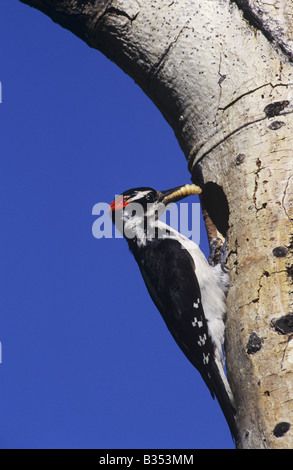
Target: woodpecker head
column 135, row 211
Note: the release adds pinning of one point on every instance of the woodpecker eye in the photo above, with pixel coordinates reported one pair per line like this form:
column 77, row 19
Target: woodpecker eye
column 150, row 197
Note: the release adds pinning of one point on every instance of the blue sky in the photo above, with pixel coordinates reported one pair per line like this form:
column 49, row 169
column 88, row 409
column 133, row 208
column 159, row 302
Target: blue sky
column 87, row 361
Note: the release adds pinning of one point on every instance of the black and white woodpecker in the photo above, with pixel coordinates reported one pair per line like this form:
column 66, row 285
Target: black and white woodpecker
column 189, row 293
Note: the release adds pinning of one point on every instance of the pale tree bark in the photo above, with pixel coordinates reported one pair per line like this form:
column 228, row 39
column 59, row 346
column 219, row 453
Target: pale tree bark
column 221, row 72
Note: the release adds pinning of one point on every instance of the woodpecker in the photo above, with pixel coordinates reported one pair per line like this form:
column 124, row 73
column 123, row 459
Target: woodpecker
column 189, row 292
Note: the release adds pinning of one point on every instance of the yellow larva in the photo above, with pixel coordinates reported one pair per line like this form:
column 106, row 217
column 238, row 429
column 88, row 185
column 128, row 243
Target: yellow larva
column 184, row 191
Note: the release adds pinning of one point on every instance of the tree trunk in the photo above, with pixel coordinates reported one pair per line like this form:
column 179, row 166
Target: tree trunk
column 221, row 72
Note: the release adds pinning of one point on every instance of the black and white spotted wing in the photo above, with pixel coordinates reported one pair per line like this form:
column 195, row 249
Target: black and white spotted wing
column 168, row 272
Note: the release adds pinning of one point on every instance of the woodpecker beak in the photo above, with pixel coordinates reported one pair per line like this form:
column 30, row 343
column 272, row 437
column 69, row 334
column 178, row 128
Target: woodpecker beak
column 175, row 194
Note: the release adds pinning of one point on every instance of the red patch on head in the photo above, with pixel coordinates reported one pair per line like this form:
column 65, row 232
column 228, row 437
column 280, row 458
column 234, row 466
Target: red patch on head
column 119, row 203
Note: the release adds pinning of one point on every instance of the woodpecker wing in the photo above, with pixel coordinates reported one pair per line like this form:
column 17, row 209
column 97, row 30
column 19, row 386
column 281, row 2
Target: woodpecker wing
column 169, row 274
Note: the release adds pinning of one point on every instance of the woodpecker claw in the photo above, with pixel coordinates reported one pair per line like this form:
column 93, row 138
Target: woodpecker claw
column 218, row 253
column 215, row 247
column 223, row 256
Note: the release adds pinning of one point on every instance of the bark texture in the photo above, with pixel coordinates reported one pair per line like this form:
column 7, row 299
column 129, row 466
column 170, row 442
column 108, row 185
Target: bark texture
column 221, row 72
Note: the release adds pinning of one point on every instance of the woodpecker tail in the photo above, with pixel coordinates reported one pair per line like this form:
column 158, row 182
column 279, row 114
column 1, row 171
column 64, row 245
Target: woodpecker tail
column 220, row 387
